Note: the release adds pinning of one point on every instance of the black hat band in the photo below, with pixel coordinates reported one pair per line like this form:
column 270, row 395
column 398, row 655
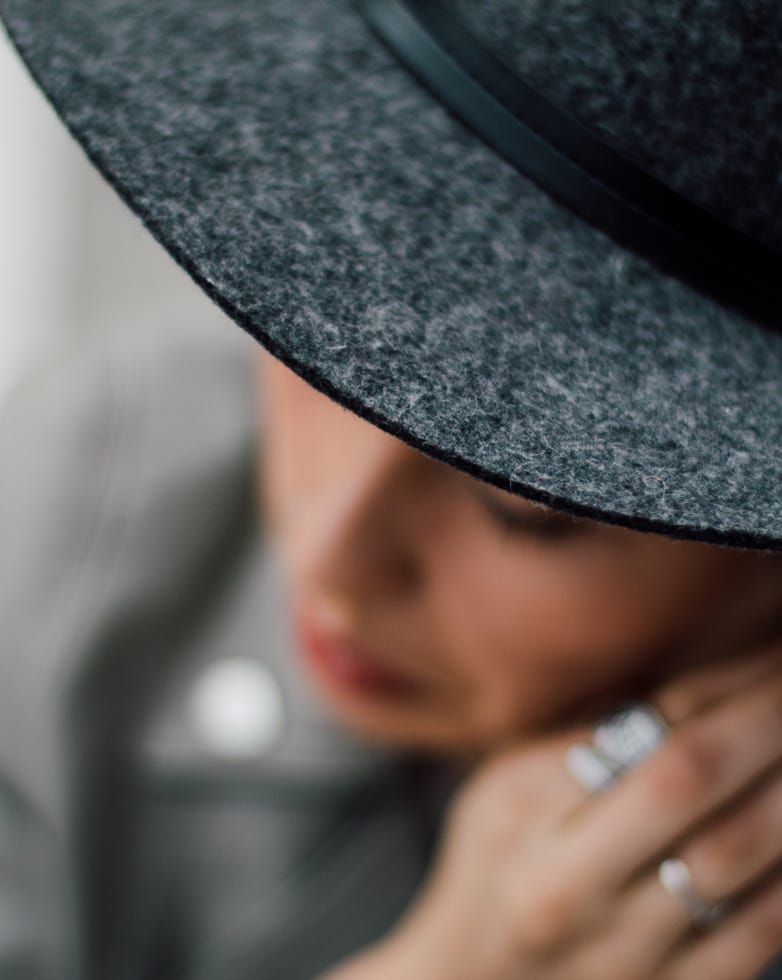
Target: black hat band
column 570, row 162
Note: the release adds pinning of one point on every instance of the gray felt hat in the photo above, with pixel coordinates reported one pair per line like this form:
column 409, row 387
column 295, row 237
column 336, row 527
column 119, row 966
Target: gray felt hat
column 536, row 239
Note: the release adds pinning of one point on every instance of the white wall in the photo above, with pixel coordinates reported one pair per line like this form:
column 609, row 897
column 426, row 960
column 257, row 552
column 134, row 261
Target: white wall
column 72, row 257
column 41, row 192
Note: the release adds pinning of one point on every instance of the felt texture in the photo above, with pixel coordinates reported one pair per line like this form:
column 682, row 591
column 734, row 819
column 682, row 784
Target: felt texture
column 684, row 89
column 331, row 205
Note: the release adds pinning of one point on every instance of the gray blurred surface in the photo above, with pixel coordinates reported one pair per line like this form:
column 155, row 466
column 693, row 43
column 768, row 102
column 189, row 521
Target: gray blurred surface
column 72, row 257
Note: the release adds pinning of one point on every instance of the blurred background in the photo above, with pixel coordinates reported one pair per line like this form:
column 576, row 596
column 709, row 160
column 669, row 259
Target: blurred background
column 72, row 258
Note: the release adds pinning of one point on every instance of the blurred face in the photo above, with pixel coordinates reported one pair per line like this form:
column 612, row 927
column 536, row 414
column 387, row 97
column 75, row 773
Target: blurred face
column 436, row 612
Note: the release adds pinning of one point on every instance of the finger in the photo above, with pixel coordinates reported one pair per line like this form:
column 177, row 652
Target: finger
column 702, row 766
column 739, row 948
column 567, row 792
column 676, row 704
column 685, row 697
column 741, row 847
column 736, row 853
column 640, row 929
column 517, row 776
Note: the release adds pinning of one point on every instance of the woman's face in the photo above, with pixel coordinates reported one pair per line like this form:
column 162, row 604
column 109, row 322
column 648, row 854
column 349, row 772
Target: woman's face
column 495, row 630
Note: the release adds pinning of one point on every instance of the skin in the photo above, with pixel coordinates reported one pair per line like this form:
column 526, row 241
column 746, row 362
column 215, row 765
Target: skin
column 518, row 642
column 507, row 632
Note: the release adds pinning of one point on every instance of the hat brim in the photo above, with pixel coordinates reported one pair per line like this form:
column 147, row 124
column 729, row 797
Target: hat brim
column 339, row 214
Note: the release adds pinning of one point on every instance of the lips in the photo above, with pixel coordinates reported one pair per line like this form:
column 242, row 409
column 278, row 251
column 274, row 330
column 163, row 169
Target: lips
column 346, row 662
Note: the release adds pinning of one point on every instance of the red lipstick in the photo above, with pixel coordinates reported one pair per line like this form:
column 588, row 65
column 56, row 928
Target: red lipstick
column 345, row 664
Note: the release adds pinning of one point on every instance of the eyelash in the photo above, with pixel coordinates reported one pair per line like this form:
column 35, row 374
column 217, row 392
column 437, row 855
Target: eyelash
column 544, row 529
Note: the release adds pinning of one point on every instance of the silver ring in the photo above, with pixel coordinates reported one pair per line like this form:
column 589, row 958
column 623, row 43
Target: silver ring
column 676, row 878
column 620, row 742
column 589, row 768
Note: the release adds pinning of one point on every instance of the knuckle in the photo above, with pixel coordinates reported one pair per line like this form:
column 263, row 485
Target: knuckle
column 669, row 972
column 488, row 816
column 633, row 973
column 768, row 922
column 689, row 768
column 594, row 972
column 546, row 922
column 500, row 824
column 734, row 845
column 678, row 702
column 498, row 777
column 482, row 790
column 502, row 793
column 601, row 962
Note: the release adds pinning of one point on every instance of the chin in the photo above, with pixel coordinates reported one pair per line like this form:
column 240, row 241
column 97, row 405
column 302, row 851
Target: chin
column 409, row 731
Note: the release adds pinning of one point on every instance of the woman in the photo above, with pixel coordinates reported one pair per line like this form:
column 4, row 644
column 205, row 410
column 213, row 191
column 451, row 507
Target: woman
column 558, row 487
column 496, row 623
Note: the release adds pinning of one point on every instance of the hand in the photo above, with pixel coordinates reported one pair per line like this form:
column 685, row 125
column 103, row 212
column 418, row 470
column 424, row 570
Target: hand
column 534, row 880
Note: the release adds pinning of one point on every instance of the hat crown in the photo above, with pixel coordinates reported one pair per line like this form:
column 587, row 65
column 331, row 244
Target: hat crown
column 690, row 90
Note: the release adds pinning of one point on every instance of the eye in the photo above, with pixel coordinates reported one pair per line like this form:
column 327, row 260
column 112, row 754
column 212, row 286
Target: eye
column 546, row 525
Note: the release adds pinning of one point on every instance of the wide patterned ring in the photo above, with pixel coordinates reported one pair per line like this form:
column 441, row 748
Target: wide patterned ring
column 619, row 743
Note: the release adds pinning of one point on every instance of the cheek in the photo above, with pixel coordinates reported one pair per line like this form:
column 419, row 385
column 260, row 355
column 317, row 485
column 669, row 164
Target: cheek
column 299, row 430
column 517, row 643
column 532, row 632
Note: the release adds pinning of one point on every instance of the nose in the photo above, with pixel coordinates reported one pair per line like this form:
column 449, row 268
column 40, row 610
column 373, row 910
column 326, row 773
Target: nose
column 360, row 537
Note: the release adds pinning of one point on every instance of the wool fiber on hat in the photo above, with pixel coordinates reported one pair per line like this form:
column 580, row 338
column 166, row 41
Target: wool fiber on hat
column 360, row 232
